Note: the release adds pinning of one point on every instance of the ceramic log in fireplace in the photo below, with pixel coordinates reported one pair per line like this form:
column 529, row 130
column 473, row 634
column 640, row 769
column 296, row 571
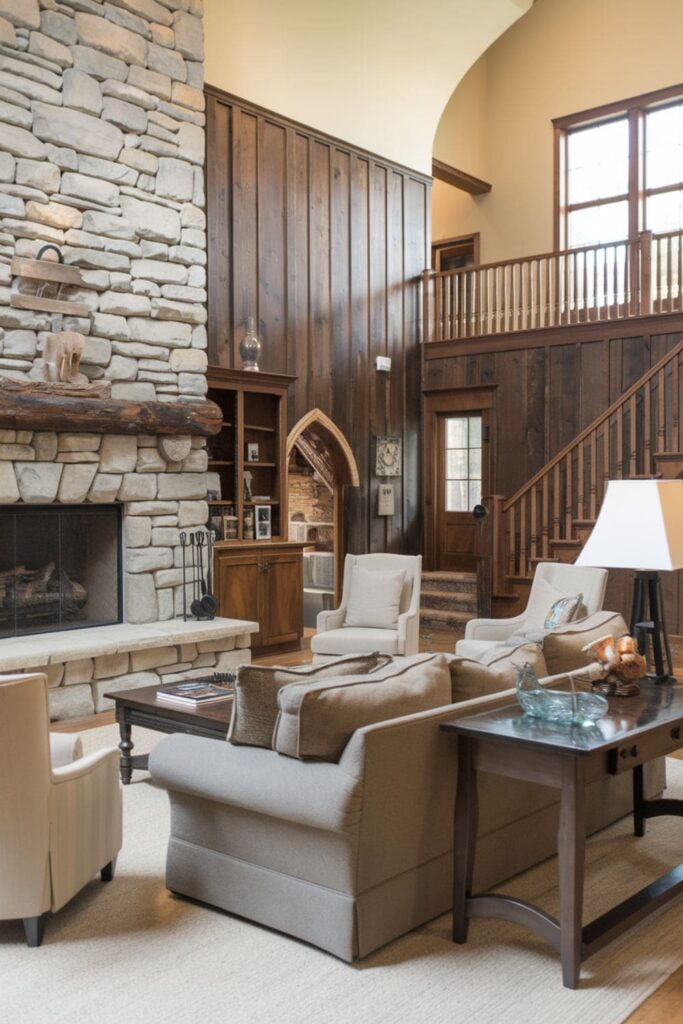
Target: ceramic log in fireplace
column 60, row 568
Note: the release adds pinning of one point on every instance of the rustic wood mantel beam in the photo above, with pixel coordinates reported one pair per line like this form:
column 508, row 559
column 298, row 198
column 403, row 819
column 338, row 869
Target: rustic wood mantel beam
column 459, row 179
column 23, row 409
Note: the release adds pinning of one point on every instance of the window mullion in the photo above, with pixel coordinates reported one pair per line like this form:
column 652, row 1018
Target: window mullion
column 635, row 164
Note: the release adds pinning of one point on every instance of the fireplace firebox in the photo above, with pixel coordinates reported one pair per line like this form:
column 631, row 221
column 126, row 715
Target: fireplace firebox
column 60, row 567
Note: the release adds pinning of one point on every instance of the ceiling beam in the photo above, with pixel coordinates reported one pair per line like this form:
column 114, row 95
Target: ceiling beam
column 459, row 179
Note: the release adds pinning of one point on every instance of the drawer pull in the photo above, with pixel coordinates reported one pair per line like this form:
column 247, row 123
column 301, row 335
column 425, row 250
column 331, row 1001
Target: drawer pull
column 628, row 752
column 676, row 732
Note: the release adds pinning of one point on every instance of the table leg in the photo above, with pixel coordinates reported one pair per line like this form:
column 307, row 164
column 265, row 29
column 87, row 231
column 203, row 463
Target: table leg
column 638, row 809
column 464, row 837
column 125, row 746
column 571, row 848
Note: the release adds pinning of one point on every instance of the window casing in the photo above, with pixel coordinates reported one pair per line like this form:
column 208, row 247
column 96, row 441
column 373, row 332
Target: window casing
column 619, row 170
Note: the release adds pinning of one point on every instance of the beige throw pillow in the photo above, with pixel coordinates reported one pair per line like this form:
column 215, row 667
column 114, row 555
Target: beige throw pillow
column 470, row 679
column 375, row 598
column 317, row 720
column 255, row 709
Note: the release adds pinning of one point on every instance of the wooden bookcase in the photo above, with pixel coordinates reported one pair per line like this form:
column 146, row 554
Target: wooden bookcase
column 256, row 577
column 254, row 407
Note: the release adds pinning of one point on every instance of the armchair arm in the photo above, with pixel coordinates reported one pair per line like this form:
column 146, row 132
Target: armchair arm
column 332, row 619
column 492, row 629
column 65, row 747
column 85, row 822
column 409, row 632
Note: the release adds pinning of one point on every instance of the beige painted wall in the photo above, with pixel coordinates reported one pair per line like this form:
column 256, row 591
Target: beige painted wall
column 563, row 56
column 376, row 73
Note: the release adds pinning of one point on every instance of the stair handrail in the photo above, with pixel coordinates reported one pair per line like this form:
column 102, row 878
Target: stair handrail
column 587, row 431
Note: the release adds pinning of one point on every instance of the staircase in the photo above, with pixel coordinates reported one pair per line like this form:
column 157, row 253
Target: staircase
column 552, row 515
column 448, row 601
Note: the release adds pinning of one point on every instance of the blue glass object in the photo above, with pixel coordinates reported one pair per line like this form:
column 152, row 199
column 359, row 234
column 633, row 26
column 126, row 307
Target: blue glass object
column 554, row 706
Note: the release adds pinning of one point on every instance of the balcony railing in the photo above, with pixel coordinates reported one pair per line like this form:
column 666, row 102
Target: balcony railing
column 611, row 281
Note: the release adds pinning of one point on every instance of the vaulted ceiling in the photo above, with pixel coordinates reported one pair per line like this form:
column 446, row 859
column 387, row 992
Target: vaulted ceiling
column 377, row 73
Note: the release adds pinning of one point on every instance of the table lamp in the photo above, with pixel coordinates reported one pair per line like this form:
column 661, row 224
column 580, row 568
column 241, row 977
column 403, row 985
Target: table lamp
column 640, row 527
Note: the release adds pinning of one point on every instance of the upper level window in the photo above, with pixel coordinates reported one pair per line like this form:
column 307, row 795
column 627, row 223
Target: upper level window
column 619, row 170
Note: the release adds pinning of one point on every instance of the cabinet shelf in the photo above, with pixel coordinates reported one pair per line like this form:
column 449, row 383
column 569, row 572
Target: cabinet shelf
column 265, row 430
column 262, row 465
column 268, row 501
column 221, row 462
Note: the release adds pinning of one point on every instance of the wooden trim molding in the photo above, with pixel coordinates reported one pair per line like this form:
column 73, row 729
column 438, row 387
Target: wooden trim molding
column 646, row 99
column 459, row 179
column 567, row 334
column 316, row 420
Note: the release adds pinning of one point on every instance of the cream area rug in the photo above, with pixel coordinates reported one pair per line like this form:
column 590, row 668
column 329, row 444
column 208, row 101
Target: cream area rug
column 129, row 951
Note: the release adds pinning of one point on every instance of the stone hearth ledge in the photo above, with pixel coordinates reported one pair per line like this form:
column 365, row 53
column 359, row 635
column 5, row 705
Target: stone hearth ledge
column 19, row 654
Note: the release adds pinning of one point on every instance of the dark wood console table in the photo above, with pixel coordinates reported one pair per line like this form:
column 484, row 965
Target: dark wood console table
column 507, row 742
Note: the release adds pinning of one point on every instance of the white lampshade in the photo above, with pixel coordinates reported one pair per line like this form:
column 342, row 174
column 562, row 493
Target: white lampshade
column 640, row 526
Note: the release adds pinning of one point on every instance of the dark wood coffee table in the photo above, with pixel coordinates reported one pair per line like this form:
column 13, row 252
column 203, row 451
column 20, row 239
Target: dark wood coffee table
column 507, row 742
column 141, row 707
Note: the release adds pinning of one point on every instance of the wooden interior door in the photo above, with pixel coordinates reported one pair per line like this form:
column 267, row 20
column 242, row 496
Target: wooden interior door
column 462, row 478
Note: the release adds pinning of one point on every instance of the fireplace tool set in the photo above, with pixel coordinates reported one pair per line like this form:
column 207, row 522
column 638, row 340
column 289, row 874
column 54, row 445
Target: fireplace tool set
column 195, row 545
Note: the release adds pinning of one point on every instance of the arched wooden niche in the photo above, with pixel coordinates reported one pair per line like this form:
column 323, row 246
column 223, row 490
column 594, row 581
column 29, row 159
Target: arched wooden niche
column 324, row 447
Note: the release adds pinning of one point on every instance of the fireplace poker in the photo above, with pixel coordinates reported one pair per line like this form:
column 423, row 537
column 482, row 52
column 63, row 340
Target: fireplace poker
column 209, row 602
column 196, row 606
column 183, row 545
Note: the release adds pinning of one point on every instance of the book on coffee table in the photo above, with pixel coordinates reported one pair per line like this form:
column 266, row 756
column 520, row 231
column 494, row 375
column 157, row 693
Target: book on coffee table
column 195, row 694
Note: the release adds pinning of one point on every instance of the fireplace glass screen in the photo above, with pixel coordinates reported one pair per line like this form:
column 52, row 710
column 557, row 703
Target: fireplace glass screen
column 60, row 568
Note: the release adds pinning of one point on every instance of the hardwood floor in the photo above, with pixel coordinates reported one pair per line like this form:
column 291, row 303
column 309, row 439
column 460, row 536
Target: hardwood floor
column 659, row 1008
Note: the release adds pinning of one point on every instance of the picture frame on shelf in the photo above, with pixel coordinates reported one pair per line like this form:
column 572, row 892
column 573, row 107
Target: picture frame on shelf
column 252, row 451
column 264, row 529
column 388, row 455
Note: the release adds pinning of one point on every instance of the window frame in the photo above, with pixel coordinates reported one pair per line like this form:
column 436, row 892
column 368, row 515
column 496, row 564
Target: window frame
column 634, row 110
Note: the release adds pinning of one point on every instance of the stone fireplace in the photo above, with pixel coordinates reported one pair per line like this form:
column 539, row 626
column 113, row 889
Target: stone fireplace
column 101, row 154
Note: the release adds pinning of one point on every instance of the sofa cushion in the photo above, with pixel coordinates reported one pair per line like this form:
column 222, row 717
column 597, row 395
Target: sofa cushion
column 495, row 670
column 255, row 709
column 375, row 598
column 353, row 640
column 562, row 647
column 317, row 719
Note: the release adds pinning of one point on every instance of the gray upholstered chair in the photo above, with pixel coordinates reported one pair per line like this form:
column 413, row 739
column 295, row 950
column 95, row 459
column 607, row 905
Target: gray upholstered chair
column 334, row 636
column 59, row 826
column 551, row 580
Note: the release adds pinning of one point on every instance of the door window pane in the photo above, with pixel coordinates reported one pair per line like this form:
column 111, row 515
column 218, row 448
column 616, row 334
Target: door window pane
column 462, row 463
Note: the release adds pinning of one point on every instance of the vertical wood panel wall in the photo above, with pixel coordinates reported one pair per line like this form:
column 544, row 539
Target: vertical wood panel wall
column 324, row 245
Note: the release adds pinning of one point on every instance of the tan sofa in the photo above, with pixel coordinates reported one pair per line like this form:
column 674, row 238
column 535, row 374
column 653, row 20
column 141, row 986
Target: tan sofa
column 350, row 855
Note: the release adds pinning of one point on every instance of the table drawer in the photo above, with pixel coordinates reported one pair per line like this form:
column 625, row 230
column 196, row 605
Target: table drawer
column 641, row 749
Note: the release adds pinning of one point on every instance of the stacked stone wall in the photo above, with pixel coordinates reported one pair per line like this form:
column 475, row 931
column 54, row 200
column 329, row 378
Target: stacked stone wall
column 102, row 153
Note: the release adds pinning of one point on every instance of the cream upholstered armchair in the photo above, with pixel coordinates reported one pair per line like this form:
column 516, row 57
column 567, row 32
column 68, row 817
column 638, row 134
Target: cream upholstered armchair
column 379, row 610
column 552, row 580
column 59, row 826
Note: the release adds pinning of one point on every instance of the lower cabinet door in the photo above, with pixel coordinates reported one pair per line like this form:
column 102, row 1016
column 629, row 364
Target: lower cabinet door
column 238, row 581
column 282, row 609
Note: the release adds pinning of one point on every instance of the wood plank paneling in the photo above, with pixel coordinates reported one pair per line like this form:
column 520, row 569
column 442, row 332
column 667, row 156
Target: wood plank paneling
column 324, row 244
column 546, row 395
